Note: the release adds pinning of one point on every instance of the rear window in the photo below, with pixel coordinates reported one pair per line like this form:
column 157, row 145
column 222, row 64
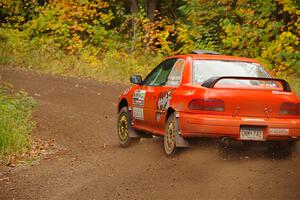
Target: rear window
column 205, row 69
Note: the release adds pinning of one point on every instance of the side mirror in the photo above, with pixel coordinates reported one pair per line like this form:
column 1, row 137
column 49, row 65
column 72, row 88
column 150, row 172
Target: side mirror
column 136, row 79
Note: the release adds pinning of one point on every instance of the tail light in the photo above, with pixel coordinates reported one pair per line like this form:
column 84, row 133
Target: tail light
column 288, row 108
column 207, row 105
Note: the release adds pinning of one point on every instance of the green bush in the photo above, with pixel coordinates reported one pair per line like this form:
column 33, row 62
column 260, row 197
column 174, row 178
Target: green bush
column 15, row 120
column 266, row 30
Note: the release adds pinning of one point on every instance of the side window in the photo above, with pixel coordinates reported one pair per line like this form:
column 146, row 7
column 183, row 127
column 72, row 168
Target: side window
column 159, row 76
column 175, row 75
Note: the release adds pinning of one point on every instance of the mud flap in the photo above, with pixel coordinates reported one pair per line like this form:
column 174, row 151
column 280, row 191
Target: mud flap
column 180, row 141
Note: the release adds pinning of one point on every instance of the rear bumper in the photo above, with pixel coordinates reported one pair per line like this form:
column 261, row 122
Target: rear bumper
column 198, row 125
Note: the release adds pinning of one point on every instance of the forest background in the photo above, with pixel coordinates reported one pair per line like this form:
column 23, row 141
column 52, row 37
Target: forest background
column 110, row 40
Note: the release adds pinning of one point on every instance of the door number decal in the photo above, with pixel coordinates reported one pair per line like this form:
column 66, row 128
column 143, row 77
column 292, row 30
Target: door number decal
column 139, row 98
column 138, row 104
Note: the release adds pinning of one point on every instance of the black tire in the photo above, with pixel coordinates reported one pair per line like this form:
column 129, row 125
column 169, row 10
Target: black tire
column 124, row 128
column 171, row 129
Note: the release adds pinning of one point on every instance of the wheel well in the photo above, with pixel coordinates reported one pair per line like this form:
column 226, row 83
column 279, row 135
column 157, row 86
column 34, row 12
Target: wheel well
column 122, row 104
column 169, row 112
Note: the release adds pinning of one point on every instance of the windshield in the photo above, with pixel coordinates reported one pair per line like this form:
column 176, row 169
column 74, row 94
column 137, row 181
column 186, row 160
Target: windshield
column 205, row 69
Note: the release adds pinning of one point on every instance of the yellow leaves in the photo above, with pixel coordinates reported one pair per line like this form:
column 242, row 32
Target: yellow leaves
column 33, row 24
column 264, row 54
column 278, row 48
column 69, row 48
column 74, row 44
column 287, row 37
column 70, row 23
column 163, row 34
column 279, row 52
column 145, row 20
column 90, row 58
column 77, row 27
column 21, row 19
column 76, row 39
column 289, row 49
column 289, row 6
column 106, row 18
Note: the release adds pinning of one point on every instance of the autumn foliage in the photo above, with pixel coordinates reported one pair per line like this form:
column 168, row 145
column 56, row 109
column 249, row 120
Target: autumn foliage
column 98, row 34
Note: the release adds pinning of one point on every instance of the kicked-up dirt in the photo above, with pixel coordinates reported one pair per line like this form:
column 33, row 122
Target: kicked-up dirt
column 81, row 116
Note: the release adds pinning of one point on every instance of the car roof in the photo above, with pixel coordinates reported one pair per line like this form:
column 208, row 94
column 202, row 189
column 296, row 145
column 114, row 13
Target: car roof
column 214, row 57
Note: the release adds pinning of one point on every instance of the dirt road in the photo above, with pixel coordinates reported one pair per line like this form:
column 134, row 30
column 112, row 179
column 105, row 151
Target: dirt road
column 81, row 116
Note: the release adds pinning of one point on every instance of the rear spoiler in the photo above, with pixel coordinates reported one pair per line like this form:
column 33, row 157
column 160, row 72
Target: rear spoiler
column 210, row 83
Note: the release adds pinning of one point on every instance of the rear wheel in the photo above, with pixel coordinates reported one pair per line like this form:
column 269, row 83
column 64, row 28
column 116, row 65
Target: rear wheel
column 124, row 128
column 170, row 138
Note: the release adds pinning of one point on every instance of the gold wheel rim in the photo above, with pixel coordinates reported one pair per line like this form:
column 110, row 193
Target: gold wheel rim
column 170, row 136
column 123, row 127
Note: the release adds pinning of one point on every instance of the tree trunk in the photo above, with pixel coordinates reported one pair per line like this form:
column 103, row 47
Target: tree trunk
column 133, row 10
column 152, row 6
column 133, row 6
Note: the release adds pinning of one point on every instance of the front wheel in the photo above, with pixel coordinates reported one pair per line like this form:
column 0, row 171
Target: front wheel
column 171, row 130
column 124, row 128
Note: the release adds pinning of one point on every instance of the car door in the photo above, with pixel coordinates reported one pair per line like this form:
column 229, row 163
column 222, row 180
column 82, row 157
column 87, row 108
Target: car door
column 146, row 96
column 166, row 93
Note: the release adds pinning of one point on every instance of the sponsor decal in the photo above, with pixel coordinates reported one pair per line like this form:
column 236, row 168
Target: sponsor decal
column 279, row 131
column 163, row 103
column 138, row 113
column 138, row 104
column 139, row 98
column 279, row 92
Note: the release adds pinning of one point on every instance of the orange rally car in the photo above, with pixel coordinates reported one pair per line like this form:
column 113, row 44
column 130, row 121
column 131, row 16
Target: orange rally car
column 205, row 94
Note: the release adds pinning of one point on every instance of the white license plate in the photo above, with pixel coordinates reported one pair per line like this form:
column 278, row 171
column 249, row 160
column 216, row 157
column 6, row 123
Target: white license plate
column 252, row 133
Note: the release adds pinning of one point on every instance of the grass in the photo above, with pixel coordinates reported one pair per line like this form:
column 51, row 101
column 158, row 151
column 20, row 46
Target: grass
column 15, row 121
column 114, row 65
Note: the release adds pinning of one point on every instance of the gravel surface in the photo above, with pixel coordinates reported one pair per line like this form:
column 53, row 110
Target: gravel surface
column 80, row 115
